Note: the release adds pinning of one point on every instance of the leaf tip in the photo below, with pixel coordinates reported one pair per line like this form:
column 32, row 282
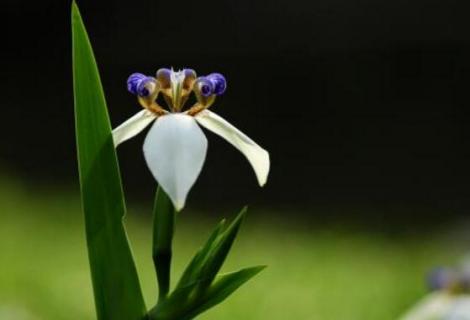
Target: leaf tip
column 76, row 16
column 241, row 216
column 258, row 269
column 74, row 7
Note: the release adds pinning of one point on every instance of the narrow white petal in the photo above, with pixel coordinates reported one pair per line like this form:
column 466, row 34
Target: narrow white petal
column 175, row 149
column 257, row 156
column 440, row 305
column 132, row 126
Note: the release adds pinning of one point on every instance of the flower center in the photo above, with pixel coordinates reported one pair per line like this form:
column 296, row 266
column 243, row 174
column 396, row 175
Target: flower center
column 176, row 88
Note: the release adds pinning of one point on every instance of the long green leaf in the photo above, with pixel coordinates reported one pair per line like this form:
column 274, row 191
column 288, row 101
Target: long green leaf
column 187, row 302
column 198, row 288
column 214, row 259
column 209, row 259
column 114, row 276
column 176, row 305
column 191, row 272
column 178, row 302
column 163, row 228
column 223, row 287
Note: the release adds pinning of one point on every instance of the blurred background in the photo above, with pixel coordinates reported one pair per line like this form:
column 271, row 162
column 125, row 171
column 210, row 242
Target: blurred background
column 362, row 105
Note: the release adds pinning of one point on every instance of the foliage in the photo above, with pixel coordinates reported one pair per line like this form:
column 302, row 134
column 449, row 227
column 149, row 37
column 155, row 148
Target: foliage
column 115, row 281
column 116, row 286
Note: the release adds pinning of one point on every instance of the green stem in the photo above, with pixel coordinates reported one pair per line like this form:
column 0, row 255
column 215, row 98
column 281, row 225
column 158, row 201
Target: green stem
column 163, row 229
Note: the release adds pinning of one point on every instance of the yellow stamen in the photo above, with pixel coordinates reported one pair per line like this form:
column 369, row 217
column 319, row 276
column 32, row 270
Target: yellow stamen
column 152, row 106
column 202, row 104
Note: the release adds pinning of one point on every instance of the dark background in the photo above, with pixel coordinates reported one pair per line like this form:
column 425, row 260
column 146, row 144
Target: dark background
column 362, row 104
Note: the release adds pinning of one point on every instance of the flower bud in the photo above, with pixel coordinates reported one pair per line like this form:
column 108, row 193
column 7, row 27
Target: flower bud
column 219, row 83
column 441, row 279
column 146, row 86
column 133, row 82
column 204, row 86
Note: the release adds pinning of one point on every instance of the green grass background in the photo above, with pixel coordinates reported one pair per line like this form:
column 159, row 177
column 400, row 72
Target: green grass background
column 316, row 271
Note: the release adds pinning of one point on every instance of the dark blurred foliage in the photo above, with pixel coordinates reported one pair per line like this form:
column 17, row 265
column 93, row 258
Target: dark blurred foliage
column 361, row 103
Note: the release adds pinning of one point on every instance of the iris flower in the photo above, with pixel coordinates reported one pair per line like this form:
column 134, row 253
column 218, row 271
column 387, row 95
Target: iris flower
column 175, row 147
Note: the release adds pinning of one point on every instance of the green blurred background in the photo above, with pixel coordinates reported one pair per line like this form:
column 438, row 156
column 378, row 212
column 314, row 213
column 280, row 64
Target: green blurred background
column 362, row 105
column 317, row 269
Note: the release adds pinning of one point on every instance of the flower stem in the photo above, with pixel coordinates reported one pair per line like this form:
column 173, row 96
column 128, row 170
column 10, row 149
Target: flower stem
column 163, row 228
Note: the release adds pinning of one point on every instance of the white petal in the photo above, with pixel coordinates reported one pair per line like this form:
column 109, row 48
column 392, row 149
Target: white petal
column 175, row 149
column 257, row 156
column 440, row 305
column 132, row 126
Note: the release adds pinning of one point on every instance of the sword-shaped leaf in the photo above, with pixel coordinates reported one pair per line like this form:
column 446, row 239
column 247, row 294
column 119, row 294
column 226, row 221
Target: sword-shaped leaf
column 213, row 261
column 185, row 303
column 208, row 261
column 223, row 287
column 191, row 272
column 114, row 276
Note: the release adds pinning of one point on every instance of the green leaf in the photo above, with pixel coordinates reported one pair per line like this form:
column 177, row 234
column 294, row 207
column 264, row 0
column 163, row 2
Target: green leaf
column 163, row 228
column 176, row 305
column 223, row 287
column 215, row 257
column 209, row 259
column 183, row 304
column 191, row 272
column 198, row 288
column 114, row 276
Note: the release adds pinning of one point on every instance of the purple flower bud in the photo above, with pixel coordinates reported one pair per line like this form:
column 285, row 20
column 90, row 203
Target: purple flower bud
column 146, row 86
column 219, row 83
column 205, row 86
column 133, row 82
column 441, row 278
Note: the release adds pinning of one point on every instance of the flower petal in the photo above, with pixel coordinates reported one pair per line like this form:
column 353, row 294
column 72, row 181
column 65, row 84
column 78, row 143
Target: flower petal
column 175, row 150
column 257, row 156
column 132, row 126
column 438, row 305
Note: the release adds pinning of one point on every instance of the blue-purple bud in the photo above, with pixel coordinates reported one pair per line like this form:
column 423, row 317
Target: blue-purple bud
column 441, row 278
column 219, row 83
column 205, row 86
column 133, row 82
column 146, row 86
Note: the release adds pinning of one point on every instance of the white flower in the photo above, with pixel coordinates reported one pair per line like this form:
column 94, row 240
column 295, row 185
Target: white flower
column 175, row 147
column 441, row 305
